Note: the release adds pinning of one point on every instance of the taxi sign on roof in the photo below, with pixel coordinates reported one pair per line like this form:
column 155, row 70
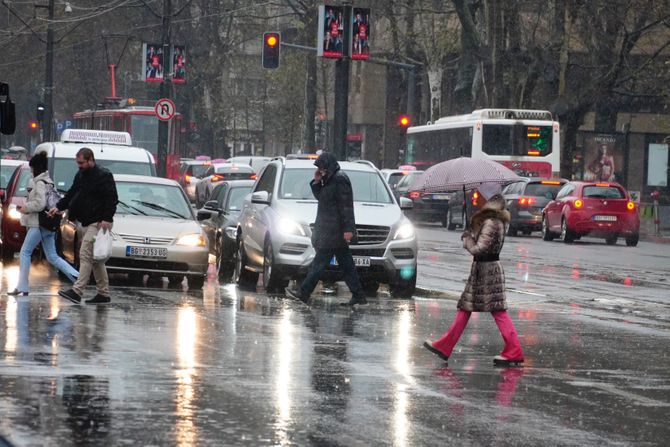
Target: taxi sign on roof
column 96, row 136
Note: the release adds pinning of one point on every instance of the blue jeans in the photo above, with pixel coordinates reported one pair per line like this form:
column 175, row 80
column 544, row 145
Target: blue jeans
column 321, row 261
column 34, row 237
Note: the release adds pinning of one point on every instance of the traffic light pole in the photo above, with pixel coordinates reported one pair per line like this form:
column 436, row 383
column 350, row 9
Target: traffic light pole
column 341, row 111
column 47, row 123
column 165, row 91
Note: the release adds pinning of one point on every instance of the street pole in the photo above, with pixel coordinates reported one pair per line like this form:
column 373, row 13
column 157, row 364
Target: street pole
column 47, row 123
column 164, row 91
column 342, row 90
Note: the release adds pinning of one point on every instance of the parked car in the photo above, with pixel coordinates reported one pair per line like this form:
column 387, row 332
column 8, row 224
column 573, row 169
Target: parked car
column 275, row 227
column 155, row 232
column 190, row 173
column 525, row 201
column 219, row 220
column 217, row 173
column 16, row 194
column 598, row 209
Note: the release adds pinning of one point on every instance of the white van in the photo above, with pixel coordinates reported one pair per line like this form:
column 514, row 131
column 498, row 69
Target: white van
column 112, row 150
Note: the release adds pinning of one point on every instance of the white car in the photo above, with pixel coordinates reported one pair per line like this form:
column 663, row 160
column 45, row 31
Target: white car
column 155, row 232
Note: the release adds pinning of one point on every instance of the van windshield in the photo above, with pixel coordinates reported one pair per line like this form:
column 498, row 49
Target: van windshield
column 64, row 170
column 367, row 186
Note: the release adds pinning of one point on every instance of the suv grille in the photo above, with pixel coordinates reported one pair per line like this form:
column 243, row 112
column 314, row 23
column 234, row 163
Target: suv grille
column 372, row 234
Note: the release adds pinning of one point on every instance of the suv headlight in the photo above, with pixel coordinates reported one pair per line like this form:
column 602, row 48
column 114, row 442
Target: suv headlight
column 192, row 240
column 404, row 231
column 288, row 226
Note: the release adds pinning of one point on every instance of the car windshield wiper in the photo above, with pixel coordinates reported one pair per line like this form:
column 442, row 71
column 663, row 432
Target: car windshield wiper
column 158, row 207
column 130, row 207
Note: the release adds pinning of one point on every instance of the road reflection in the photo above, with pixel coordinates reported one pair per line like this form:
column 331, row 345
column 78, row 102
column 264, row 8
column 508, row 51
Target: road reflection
column 187, row 332
column 402, row 365
column 283, row 378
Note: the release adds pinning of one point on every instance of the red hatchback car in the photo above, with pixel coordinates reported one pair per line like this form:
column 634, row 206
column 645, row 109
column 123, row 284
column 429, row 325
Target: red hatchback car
column 595, row 209
column 15, row 196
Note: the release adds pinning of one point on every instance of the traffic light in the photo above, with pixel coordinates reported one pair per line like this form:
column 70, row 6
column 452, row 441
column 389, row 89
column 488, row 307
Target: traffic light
column 271, row 45
column 33, row 126
column 404, row 121
column 39, row 113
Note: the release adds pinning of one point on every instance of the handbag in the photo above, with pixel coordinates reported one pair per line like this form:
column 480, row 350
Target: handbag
column 102, row 245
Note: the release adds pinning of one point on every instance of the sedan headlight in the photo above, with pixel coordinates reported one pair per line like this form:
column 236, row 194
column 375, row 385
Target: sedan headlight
column 12, row 212
column 288, row 226
column 405, row 231
column 192, row 240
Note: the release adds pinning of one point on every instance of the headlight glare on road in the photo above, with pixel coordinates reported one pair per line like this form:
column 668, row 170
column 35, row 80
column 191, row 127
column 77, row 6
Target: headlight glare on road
column 288, row 226
column 405, row 231
column 13, row 213
column 192, row 240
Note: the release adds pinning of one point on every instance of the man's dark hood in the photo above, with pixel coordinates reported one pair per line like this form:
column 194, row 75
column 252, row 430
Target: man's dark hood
column 327, row 162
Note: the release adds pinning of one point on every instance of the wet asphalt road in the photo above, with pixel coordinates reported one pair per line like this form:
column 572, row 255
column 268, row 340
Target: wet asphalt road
column 219, row 366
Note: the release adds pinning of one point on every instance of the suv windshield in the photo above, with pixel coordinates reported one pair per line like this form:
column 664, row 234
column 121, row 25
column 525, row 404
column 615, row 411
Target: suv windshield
column 367, row 186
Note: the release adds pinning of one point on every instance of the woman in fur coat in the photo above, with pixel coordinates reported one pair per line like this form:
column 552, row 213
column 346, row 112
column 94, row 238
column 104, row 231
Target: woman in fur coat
column 485, row 289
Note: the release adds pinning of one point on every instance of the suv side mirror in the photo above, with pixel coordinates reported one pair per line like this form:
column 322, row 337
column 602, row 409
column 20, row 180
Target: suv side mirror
column 212, row 205
column 406, row 203
column 262, row 197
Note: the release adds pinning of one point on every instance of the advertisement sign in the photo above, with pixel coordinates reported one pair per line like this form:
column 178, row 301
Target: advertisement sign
column 360, row 41
column 331, row 31
column 152, row 62
column 178, row 64
column 604, row 157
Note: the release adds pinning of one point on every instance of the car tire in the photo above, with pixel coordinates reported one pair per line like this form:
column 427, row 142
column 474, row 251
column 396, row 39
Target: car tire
column 567, row 235
column 272, row 279
column 611, row 240
column 404, row 288
column 632, row 241
column 241, row 276
column 196, row 282
column 546, row 234
column 450, row 224
column 370, row 287
column 224, row 269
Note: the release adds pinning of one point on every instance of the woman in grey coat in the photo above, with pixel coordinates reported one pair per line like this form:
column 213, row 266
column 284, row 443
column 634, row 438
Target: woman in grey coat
column 35, row 234
column 485, row 289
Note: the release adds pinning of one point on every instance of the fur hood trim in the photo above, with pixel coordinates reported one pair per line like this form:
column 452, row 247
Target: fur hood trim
column 493, row 209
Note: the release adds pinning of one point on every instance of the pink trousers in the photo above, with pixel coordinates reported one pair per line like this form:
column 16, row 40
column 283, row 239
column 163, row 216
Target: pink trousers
column 512, row 350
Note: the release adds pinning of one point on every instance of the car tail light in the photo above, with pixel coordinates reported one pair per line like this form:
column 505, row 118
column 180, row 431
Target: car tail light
column 217, row 178
column 526, row 201
column 475, row 198
column 550, row 182
column 578, row 203
column 630, row 206
column 253, row 177
column 414, row 195
column 187, row 178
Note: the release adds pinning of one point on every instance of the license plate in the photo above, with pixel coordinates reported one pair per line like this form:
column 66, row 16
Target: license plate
column 440, row 196
column 146, row 252
column 605, row 218
column 359, row 261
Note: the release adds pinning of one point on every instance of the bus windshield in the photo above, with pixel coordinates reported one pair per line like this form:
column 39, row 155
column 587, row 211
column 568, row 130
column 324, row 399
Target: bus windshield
column 425, row 149
column 518, row 139
column 145, row 132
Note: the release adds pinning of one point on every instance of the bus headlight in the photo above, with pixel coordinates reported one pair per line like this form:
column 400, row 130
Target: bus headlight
column 405, row 231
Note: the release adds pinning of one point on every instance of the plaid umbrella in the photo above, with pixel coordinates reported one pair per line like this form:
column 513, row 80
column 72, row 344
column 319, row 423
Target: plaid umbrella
column 463, row 173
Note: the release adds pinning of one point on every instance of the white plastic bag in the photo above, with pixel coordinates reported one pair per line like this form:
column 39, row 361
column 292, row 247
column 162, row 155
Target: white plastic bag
column 102, row 245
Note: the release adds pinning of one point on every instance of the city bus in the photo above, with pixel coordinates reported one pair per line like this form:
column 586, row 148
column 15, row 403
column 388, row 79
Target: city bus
column 142, row 124
column 526, row 141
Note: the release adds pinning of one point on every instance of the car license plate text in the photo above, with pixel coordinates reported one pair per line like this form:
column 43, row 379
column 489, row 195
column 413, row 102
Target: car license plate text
column 359, row 261
column 440, row 196
column 605, row 218
column 146, row 252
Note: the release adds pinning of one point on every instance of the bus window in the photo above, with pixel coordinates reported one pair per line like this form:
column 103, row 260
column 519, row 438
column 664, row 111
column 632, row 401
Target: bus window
column 145, row 132
column 501, row 139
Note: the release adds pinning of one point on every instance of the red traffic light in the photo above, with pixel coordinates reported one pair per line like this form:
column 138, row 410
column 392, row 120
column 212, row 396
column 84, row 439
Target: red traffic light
column 404, row 121
column 33, row 125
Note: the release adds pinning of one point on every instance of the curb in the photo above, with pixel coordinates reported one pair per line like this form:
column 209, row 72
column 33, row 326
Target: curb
column 656, row 239
column 434, row 293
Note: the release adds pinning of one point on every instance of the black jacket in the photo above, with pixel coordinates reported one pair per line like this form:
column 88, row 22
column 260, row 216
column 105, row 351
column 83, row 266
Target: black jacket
column 335, row 213
column 92, row 197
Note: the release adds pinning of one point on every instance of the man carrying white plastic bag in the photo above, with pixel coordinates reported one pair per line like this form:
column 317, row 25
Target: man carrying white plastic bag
column 92, row 201
column 102, row 245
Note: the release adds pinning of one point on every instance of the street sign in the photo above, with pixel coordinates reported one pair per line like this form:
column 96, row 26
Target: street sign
column 165, row 109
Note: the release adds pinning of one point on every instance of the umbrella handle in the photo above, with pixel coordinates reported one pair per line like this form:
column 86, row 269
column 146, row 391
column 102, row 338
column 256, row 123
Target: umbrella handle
column 466, row 223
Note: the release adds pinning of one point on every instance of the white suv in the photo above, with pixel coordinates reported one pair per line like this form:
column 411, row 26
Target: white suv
column 274, row 229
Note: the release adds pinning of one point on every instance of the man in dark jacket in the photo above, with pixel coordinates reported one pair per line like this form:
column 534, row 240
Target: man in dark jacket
column 92, row 201
column 334, row 229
